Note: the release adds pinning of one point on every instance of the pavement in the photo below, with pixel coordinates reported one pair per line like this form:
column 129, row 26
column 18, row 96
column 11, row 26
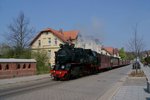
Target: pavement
column 127, row 88
column 133, row 88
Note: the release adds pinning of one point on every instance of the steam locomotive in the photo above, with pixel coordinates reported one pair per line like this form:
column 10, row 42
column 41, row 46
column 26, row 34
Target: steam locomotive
column 75, row 62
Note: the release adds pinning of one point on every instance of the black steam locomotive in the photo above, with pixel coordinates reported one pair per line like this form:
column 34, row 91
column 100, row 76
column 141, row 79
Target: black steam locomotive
column 68, row 54
column 75, row 62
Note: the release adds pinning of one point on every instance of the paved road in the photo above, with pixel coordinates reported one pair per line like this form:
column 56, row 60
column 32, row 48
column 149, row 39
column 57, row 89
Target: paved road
column 85, row 88
column 11, row 89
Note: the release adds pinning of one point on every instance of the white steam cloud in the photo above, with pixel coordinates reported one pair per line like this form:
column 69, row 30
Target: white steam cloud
column 93, row 30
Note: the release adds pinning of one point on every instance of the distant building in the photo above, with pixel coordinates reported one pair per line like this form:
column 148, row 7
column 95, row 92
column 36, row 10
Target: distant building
column 17, row 67
column 112, row 51
column 105, row 52
column 146, row 53
column 49, row 40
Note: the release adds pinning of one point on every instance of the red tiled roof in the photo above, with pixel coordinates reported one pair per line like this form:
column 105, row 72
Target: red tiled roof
column 108, row 49
column 111, row 50
column 71, row 34
column 65, row 36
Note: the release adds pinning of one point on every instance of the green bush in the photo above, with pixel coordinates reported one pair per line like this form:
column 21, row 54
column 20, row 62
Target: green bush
column 147, row 60
column 42, row 61
column 13, row 53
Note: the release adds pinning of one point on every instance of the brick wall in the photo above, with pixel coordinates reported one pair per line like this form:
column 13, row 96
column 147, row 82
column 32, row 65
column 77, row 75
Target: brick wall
column 17, row 69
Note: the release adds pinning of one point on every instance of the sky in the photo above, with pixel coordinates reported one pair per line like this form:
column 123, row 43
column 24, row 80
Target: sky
column 110, row 21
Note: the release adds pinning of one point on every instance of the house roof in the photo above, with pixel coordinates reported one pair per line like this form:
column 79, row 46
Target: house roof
column 111, row 50
column 65, row 36
column 71, row 34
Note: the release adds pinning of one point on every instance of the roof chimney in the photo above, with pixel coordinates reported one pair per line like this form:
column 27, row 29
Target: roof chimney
column 61, row 31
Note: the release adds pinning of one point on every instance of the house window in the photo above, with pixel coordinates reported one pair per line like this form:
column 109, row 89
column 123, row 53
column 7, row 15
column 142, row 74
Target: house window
column 39, row 43
column 7, row 67
column 49, row 41
column 55, row 41
column 49, row 54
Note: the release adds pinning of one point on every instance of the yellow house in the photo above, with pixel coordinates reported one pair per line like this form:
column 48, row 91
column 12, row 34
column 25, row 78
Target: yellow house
column 49, row 40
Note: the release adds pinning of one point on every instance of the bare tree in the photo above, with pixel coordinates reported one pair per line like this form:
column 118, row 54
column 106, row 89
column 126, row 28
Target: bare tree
column 136, row 45
column 19, row 34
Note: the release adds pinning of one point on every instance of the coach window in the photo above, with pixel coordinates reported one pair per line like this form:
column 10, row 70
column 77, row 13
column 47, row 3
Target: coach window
column 29, row 66
column 0, row 67
column 7, row 67
column 24, row 66
column 18, row 66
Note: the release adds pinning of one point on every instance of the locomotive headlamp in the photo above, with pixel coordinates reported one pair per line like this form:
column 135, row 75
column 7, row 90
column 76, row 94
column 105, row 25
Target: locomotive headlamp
column 62, row 67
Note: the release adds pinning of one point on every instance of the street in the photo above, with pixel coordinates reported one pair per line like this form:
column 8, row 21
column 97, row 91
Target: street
column 84, row 88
